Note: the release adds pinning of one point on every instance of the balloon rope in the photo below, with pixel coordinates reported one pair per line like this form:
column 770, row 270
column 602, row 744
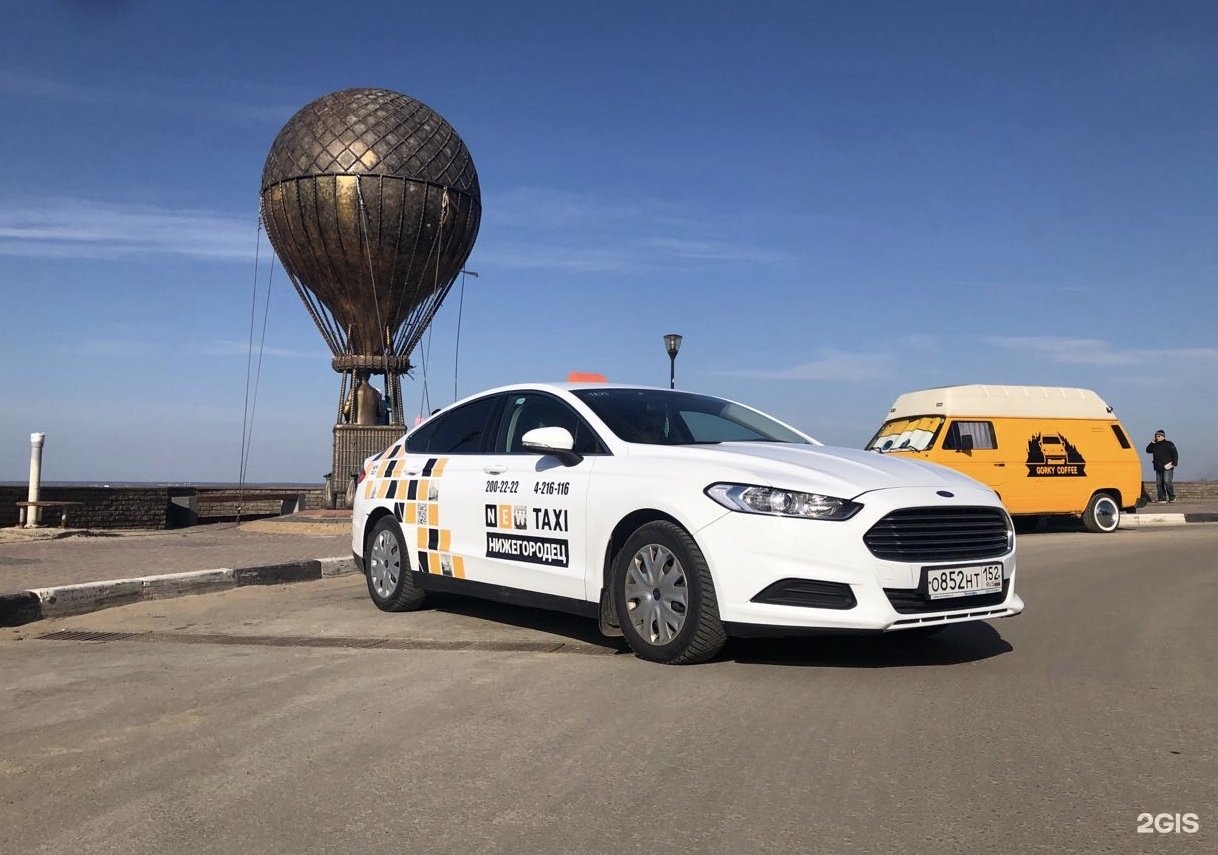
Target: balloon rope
column 249, row 358
column 363, row 219
column 247, row 438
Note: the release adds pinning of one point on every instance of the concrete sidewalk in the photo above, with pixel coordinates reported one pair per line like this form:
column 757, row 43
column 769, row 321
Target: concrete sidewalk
column 47, row 572
column 1178, row 512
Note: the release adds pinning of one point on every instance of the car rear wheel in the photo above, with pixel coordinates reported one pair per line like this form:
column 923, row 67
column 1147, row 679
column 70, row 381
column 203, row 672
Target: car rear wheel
column 665, row 597
column 1103, row 514
column 390, row 579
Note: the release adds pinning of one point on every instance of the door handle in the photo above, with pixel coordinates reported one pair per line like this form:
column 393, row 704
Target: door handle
column 494, row 469
column 412, row 471
column 1000, row 464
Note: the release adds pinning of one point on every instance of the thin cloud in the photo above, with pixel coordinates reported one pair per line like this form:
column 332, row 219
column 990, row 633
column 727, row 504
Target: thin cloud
column 228, row 347
column 81, row 228
column 601, row 255
column 51, row 89
column 1101, row 354
column 105, row 348
column 568, row 259
column 1162, row 63
column 833, row 365
column 582, row 233
column 920, row 342
column 110, row 347
column 539, row 208
column 1023, row 287
column 704, row 250
column 44, row 88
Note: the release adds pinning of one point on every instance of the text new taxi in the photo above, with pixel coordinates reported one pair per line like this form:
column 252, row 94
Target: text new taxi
column 676, row 520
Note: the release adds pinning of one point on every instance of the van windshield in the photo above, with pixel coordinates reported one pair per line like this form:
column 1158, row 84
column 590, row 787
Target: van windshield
column 912, row 434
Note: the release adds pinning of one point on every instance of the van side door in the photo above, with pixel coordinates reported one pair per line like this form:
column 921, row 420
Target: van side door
column 971, row 447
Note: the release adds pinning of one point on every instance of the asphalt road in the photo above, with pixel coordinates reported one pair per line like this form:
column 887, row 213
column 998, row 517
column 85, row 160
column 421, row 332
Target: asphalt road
column 254, row 721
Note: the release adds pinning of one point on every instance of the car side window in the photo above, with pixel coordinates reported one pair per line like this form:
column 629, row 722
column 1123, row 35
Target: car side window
column 416, row 443
column 528, row 410
column 460, row 431
column 981, row 432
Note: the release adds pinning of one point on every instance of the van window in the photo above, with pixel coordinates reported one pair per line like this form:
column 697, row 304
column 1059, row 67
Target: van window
column 981, row 432
column 1120, row 435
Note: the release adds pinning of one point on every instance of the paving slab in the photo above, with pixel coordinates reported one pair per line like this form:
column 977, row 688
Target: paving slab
column 47, row 557
column 50, row 572
column 1178, row 512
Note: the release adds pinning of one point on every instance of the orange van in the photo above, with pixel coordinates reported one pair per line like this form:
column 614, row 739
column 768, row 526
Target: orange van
column 1043, row 449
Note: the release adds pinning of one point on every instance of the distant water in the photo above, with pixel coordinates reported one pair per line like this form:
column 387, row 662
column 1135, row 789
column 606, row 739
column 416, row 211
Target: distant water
column 225, row 485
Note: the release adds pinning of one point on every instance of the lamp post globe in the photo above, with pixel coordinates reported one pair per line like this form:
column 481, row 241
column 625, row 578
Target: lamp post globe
column 672, row 343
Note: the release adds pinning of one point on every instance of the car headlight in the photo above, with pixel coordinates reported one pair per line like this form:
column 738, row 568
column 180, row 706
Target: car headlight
column 752, row 499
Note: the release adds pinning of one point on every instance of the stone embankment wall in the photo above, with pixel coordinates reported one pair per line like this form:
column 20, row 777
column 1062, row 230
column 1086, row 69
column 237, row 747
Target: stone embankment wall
column 101, row 507
column 1188, row 489
column 155, row 507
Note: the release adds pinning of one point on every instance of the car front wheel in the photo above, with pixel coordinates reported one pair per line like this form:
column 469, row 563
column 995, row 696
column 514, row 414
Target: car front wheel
column 665, row 598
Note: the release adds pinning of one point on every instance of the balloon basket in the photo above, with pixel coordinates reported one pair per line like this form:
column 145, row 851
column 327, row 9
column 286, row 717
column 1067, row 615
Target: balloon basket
column 353, row 444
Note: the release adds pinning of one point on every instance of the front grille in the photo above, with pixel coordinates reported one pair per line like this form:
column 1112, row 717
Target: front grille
column 909, row 601
column 809, row 593
column 939, row 534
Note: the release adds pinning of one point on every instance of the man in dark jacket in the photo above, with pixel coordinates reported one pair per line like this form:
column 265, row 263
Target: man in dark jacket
column 1165, row 458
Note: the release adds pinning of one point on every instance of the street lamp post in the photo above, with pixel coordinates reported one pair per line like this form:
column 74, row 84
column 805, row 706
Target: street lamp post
column 672, row 343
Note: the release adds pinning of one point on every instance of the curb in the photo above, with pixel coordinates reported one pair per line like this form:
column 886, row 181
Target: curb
column 1146, row 520
column 22, row 607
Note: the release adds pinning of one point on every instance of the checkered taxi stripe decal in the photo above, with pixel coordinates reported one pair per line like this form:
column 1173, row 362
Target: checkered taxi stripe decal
column 416, row 502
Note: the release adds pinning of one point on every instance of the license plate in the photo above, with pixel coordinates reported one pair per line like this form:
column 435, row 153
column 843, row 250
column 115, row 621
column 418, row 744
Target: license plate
column 971, row 581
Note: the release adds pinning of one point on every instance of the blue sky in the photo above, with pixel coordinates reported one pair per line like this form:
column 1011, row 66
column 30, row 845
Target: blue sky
column 834, row 203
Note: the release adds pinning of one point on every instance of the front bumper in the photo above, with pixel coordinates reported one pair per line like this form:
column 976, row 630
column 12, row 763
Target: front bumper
column 749, row 553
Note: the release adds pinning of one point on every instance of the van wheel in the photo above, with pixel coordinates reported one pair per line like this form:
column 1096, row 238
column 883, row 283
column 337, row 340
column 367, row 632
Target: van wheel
column 664, row 597
column 1103, row 514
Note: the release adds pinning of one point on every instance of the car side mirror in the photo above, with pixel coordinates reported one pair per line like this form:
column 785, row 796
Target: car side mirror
column 556, row 441
column 966, row 444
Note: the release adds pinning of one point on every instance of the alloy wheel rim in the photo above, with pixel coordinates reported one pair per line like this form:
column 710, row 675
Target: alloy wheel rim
column 384, row 563
column 657, row 594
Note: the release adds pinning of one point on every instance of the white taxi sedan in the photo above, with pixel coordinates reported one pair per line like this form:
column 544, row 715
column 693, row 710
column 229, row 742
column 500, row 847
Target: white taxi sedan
column 676, row 520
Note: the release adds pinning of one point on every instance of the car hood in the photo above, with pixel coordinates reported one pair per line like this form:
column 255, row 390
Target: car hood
column 843, row 472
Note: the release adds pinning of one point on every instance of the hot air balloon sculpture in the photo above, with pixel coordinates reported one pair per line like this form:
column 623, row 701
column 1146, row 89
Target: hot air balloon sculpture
column 371, row 201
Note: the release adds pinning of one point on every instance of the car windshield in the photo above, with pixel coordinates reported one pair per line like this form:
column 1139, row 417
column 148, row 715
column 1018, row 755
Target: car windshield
column 662, row 417
column 915, row 434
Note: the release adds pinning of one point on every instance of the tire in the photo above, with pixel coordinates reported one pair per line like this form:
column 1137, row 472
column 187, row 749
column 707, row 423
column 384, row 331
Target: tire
column 388, row 574
column 665, row 598
column 1103, row 514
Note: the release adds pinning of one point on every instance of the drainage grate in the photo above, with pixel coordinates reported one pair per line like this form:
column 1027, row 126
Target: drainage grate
column 84, row 635
column 336, row 642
